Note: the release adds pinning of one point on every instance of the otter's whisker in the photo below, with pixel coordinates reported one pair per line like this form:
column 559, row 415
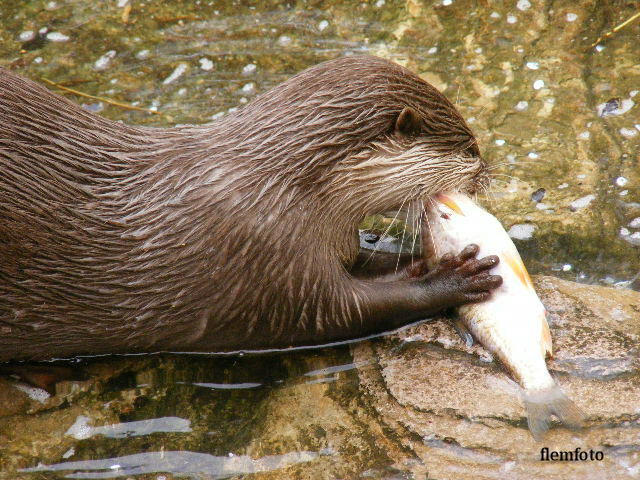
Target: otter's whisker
column 510, row 177
column 404, row 230
column 512, row 164
column 388, row 228
column 434, row 246
column 415, row 221
column 490, row 195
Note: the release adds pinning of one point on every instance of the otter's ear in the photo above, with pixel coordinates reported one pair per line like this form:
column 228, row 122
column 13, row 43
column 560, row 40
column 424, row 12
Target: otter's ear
column 408, row 122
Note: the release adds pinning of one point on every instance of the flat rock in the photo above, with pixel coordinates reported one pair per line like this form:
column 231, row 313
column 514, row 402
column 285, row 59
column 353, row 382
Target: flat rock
column 460, row 412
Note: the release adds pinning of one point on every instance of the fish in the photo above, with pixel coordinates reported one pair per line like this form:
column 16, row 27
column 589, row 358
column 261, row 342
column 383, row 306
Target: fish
column 512, row 323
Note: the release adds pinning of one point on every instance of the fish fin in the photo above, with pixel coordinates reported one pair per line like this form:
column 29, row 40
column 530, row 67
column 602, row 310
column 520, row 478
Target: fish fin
column 463, row 332
column 547, row 345
column 542, row 404
column 516, row 264
column 449, row 202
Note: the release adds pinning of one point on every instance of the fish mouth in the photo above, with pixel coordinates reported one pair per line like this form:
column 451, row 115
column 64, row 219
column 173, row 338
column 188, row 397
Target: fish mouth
column 447, row 200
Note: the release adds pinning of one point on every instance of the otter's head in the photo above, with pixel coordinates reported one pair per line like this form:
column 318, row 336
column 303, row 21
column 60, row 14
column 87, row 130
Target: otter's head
column 366, row 132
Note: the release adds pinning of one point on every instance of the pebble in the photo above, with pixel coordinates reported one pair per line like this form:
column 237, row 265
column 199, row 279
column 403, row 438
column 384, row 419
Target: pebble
column 511, row 19
column 500, row 142
column 284, row 40
column 370, row 237
column 80, row 430
column 538, row 195
column 582, row 202
column 249, row 88
column 571, row 17
column 633, row 239
column 69, row 453
column 635, row 223
column 615, row 106
column 538, row 84
column 323, row 25
column 249, row 69
column 103, row 62
column 33, row 393
column 522, row 231
column 143, row 54
column 628, row 132
column 523, row 5
column 57, row 37
column 177, row 73
column 205, row 64
column 27, row 35
column 93, row 107
column 532, row 65
column 522, row 105
column 621, row 181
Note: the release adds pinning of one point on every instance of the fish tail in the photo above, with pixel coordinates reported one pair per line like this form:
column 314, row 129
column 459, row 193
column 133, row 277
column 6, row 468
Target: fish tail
column 542, row 404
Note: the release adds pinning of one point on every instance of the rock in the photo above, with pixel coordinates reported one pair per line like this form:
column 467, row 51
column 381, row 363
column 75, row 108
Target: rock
column 463, row 418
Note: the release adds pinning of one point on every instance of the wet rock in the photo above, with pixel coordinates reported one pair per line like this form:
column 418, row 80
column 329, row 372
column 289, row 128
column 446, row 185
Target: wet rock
column 463, row 417
column 581, row 203
column 538, row 195
column 522, row 231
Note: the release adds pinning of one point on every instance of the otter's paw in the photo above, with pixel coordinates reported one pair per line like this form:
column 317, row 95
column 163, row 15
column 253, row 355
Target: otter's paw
column 417, row 268
column 463, row 278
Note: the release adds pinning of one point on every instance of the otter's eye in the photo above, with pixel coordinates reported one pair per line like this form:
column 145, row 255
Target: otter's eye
column 473, row 150
column 408, row 122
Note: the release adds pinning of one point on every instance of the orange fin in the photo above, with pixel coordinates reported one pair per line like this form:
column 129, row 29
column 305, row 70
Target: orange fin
column 449, row 202
column 547, row 346
column 519, row 269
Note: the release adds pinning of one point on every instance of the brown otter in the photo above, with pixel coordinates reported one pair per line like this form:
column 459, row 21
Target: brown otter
column 237, row 235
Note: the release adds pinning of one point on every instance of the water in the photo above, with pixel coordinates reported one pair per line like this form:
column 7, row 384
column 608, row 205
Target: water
column 552, row 110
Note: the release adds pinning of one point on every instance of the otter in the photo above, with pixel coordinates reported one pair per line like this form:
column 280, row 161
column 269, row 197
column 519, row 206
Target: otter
column 230, row 236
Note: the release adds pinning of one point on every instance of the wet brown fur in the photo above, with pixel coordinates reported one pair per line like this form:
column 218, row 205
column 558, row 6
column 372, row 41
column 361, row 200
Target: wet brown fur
column 232, row 235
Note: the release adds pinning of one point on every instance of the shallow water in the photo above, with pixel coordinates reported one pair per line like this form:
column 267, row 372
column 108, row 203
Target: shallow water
column 555, row 112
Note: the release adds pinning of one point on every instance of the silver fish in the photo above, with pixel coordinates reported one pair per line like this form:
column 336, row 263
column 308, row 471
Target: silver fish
column 512, row 324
